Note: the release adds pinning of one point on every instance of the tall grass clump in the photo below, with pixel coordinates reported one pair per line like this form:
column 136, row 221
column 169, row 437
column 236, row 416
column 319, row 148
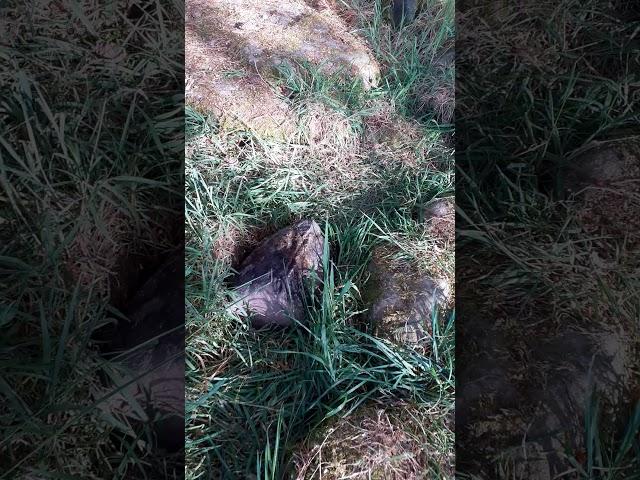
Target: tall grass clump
column 418, row 71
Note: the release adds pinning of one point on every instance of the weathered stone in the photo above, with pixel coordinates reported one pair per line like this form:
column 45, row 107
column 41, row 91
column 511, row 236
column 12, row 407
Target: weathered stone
column 446, row 59
column 154, row 365
column 494, row 402
column 218, row 82
column 605, row 184
column 401, row 300
column 581, row 365
column 271, row 280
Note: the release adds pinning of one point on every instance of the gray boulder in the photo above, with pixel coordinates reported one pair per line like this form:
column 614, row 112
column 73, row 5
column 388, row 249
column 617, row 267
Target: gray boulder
column 438, row 208
column 270, row 285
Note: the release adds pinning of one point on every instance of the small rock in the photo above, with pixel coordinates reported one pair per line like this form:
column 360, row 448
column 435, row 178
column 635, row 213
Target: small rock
column 111, row 51
column 401, row 300
column 596, row 167
column 404, row 12
column 439, row 219
column 438, row 208
column 446, row 59
column 605, row 184
column 270, row 282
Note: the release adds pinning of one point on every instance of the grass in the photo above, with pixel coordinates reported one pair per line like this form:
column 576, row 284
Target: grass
column 363, row 165
column 90, row 165
column 536, row 90
column 609, row 458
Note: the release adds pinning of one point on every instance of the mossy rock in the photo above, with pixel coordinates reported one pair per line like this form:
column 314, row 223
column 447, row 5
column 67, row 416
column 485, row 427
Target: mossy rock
column 385, row 442
column 401, row 300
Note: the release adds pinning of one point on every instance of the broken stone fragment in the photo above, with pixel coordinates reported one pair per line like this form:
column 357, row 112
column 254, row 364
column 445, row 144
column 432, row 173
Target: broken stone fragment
column 271, row 280
column 401, row 300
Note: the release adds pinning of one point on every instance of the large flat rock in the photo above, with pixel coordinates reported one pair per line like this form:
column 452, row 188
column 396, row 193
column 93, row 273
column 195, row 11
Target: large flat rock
column 234, row 48
column 217, row 81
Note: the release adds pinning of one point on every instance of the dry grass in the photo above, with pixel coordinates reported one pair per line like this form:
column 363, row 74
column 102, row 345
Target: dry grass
column 330, row 135
column 441, row 100
column 93, row 255
column 376, row 442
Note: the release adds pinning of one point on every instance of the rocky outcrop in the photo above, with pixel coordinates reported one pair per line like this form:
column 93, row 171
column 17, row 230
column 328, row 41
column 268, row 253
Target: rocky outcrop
column 271, row 285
